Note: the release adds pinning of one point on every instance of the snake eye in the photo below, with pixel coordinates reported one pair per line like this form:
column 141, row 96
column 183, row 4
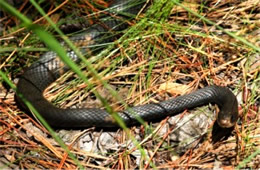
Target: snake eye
column 233, row 118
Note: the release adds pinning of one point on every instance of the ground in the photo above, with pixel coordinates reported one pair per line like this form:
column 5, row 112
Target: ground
column 170, row 49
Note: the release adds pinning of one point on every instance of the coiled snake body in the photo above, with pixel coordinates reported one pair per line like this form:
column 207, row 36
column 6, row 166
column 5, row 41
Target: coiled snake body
column 49, row 67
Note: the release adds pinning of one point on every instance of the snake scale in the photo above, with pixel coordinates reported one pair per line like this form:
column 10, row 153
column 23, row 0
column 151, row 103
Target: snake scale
column 49, row 67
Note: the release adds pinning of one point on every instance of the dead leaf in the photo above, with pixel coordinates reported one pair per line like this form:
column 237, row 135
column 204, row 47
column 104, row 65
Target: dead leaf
column 174, row 88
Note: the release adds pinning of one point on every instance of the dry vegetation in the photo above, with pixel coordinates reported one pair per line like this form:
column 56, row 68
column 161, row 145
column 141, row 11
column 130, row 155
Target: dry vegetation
column 184, row 51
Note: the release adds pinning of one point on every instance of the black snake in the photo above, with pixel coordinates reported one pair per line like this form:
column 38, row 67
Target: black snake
column 49, row 67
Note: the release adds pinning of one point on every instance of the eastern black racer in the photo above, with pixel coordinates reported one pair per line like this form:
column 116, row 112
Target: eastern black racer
column 49, row 67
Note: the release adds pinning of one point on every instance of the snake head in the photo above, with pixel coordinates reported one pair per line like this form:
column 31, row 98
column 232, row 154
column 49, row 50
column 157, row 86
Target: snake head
column 226, row 120
column 228, row 114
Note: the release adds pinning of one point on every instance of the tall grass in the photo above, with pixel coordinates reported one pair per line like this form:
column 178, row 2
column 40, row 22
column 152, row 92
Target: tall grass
column 150, row 31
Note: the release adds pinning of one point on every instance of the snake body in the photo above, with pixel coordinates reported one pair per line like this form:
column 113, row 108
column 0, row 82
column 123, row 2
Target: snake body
column 49, row 67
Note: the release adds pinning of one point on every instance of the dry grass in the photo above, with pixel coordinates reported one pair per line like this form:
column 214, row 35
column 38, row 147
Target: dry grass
column 184, row 50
